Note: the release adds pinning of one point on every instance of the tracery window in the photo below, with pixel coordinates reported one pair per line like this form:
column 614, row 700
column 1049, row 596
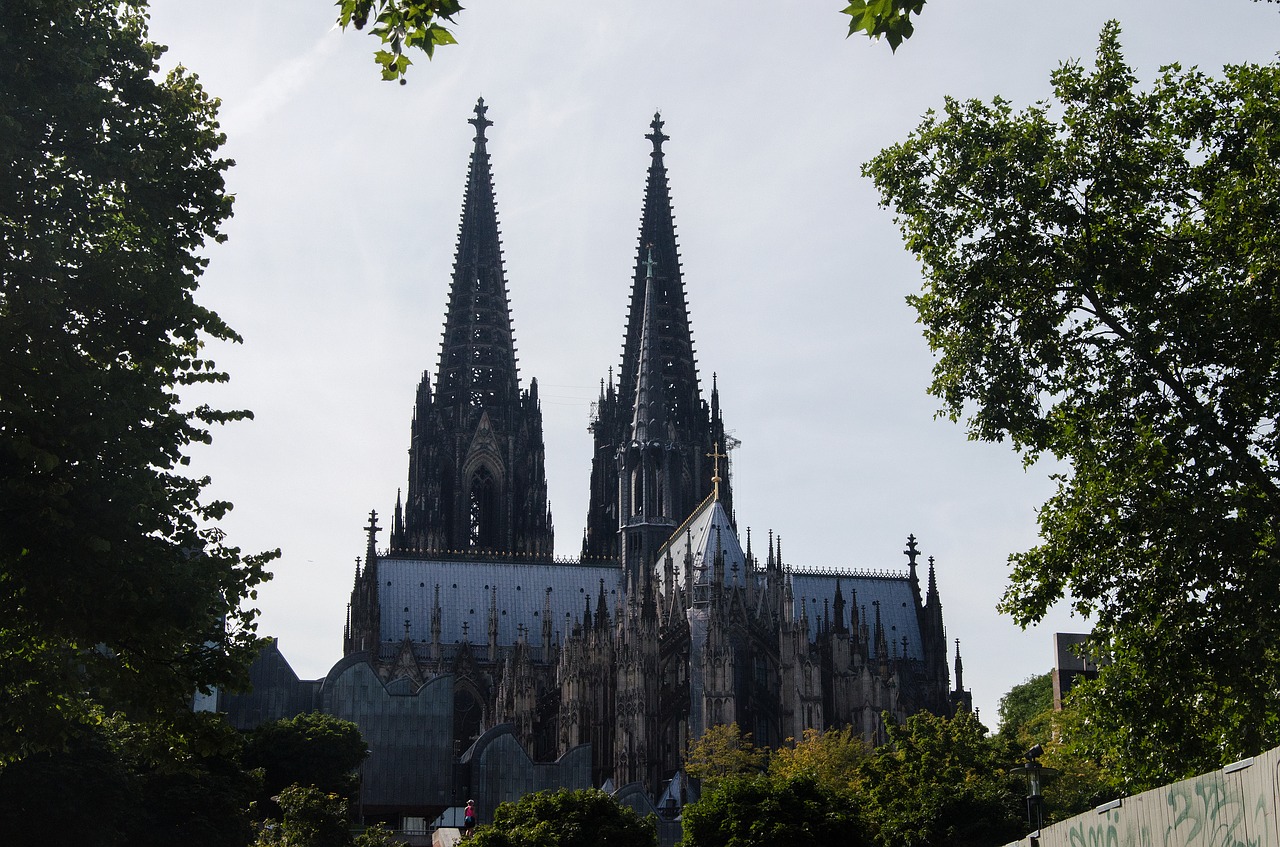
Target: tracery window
column 483, row 510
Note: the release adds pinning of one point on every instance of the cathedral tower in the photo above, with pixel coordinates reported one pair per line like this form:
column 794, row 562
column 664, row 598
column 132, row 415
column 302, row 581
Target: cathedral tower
column 692, row 428
column 476, row 458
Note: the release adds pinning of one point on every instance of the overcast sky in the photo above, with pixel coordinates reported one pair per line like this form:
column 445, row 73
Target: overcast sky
column 348, row 194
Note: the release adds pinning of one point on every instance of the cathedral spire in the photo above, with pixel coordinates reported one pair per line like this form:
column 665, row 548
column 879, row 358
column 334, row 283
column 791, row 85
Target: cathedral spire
column 649, row 418
column 476, row 475
column 477, row 358
column 663, row 353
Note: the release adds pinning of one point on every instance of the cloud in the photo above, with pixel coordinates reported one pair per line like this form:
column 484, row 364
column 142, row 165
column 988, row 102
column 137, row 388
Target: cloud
column 279, row 87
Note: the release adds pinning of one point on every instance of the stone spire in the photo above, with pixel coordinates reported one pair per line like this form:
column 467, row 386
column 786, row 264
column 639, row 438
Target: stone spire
column 478, row 357
column 476, row 457
column 692, row 425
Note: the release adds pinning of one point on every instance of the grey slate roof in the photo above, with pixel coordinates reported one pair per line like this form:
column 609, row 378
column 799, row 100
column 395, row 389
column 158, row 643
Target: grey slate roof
column 406, row 591
column 897, row 605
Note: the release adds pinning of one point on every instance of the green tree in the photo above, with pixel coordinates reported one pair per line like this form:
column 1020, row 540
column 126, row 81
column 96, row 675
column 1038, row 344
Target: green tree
column 722, row 751
column 941, row 782
column 1101, row 281
column 1023, row 704
column 832, row 758
column 309, row 818
column 564, row 818
column 312, row 749
column 116, row 588
column 1027, row 718
column 138, row 785
column 765, row 810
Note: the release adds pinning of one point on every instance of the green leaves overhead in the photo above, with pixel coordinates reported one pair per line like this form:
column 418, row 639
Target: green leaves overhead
column 890, row 19
column 401, row 25
column 1101, row 281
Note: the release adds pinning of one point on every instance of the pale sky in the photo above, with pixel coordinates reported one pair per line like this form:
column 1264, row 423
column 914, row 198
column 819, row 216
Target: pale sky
column 348, row 195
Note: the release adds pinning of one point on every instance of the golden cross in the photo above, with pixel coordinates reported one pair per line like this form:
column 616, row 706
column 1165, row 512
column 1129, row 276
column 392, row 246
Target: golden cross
column 715, row 476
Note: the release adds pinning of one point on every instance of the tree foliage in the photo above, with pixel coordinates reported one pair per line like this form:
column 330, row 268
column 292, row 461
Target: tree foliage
column 312, row 749
column 401, row 25
column 1024, row 703
column 941, row 782
column 115, row 588
column 132, row 785
column 1101, row 282
column 564, row 818
column 723, row 751
column 888, row 19
column 766, row 810
column 832, row 758
column 309, row 818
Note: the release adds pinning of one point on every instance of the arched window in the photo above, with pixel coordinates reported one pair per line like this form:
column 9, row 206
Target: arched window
column 483, row 510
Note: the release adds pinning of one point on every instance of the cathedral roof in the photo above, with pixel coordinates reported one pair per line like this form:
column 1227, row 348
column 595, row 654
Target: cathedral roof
column 892, row 591
column 707, row 531
column 406, row 591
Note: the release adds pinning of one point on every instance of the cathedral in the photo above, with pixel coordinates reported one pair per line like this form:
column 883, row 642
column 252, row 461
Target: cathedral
column 477, row 663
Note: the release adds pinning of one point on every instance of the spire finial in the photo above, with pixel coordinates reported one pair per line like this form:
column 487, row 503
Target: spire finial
column 648, row 269
column 657, row 136
column 716, row 456
column 480, row 122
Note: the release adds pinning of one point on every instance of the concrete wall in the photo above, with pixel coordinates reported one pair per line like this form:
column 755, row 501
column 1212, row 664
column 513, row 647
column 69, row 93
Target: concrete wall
column 1226, row 808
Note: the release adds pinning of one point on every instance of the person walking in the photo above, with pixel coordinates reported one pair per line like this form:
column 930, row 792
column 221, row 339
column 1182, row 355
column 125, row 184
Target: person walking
column 469, row 819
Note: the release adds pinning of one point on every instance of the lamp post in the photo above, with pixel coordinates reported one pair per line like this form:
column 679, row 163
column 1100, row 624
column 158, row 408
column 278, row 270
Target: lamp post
column 1035, row 774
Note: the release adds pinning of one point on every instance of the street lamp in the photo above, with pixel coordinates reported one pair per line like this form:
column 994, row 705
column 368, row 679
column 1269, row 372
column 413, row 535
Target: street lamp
column 1035, row 774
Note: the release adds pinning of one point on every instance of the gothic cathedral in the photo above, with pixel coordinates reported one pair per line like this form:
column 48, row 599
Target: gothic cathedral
column 465, row 634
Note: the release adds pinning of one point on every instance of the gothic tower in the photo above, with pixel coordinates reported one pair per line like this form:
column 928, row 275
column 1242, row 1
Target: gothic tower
column 693, row 429
column 476, row 475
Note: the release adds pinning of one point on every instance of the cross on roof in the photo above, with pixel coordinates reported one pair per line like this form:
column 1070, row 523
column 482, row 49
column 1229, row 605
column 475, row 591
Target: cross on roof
column 716, row 455
column 657, row 136
column 480, row 122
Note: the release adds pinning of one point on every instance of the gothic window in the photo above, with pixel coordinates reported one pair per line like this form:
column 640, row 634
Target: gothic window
column 483, row 508
column 637, row 494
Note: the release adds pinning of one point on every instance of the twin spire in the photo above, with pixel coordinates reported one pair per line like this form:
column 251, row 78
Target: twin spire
column 477, row 357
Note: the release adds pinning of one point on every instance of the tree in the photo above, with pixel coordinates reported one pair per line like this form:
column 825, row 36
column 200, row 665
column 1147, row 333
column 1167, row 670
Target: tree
column 564, row 818
column 941, row 782
column 1028, row 718
column 1101, row 286
column 832, row 758
column 139, row 785
column 117, row 591
column 311, row 749
column 765, row 810
column 310, row 818
column 722, row 751
column 1023, row 704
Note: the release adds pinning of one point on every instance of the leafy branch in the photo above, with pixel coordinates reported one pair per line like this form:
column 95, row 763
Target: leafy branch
column 890, row 19
column 401, row 25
